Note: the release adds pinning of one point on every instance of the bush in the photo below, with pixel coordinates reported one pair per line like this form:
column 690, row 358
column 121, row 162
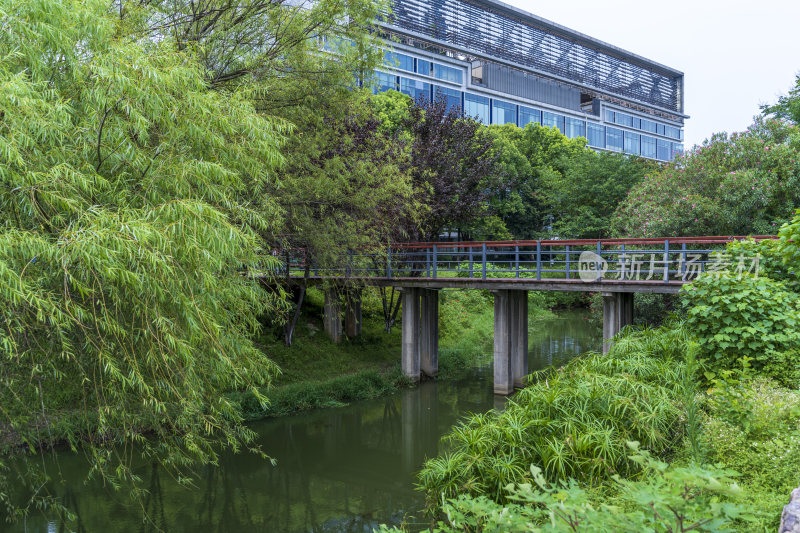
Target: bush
column 744, row 316
column 667, row 498
column 573, row 422
column 753, row 427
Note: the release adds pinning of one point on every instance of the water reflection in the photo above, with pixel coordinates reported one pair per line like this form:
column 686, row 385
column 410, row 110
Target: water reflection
column 339, row 470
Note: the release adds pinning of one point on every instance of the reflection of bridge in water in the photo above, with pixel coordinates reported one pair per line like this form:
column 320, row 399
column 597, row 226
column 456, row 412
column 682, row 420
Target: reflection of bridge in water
column 617, row 268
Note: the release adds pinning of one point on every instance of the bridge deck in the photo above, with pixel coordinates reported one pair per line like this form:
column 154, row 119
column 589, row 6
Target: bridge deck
column 564, row 285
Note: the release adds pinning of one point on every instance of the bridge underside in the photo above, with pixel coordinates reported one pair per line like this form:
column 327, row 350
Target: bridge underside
column 564, row 285
column 420, row 322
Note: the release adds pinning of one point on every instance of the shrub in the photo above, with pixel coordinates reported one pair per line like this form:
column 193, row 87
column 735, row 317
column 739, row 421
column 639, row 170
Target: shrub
column 572, row 422
column 668, row 498
column 744, row 316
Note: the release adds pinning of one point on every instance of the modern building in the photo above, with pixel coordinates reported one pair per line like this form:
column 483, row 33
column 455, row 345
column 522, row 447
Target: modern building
column 501, row 64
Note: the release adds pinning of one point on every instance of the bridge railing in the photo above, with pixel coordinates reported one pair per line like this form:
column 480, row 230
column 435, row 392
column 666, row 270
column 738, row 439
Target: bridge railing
column 666, row 260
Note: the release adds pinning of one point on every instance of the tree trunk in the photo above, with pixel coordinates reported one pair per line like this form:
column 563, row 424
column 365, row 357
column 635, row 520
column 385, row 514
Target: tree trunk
column 288, row 328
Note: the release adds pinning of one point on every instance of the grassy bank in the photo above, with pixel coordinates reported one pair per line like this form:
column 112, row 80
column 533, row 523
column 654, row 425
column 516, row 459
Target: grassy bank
column 317, row 373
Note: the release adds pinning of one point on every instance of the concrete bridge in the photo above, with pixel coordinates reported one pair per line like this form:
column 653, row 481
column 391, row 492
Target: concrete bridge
column 616, row 268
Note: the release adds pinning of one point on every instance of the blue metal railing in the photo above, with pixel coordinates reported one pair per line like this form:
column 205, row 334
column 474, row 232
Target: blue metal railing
column 666, row 260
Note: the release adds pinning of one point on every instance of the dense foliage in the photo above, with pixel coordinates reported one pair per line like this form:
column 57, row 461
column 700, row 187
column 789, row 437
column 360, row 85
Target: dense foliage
column 741, row 184
column 573, row 422
column 558, row 187
column 666, row 499
column 126, row 220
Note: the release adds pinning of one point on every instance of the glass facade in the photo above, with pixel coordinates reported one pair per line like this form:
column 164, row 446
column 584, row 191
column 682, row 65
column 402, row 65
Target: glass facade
column 632, row 143
column 424, row 67
column 477, row 107
column 415, row 89
column 663, row 149
column 451, row 96
column 595, row 133
column 447, row 73
column 528, row 115
column 552, row 119
column 575, row 128
column 649, row 147
column 385, row 82
column 503, row 112
column 400, row 61
column 490, row 110
column 613, row 139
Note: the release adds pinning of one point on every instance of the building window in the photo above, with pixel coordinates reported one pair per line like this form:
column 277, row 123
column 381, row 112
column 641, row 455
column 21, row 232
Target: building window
column 528, row 116
column 575, row 128
column 673, row 132
column 415, row 89
column 648, row 125
column 677, row 149
column 609, row 116
column 595, row 134
column 447, row 73
column 664, row 150
column 614, row 139
column 632, row 143
column 424, row 67
column 551, row 119
column 503, row 112
column 451, row 96
column 477, row 107
column 399, row 61
column 623, row 119
column 649, row 146
column 384, row 82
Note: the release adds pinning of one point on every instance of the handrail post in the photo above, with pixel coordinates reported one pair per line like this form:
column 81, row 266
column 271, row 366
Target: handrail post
column 389, row 262
column 470, row 261
column 666, row 260
column 435, row 260
column 349, row 267
column 683, row 260
column 427, row 263
column 622, row 264
column 483, row 259
column 600, row 255
column 567, row 255
column 538, row 260
column 516, row 260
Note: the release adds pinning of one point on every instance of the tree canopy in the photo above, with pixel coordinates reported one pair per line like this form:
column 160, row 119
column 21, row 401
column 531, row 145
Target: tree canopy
column 738, row 184
column 130, row 209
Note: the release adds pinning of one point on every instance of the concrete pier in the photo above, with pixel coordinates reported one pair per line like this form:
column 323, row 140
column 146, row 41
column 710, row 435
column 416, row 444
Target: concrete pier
column 617, row 313
column 352, row 312
column 420, row 335
column 410, row 356
column 429, row 332
column 332, row 315
column 510, row 339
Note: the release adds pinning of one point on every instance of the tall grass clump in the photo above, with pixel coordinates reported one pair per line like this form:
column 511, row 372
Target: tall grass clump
column 574, row 422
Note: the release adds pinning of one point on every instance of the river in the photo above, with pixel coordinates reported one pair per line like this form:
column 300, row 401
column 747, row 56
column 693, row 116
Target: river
column 343, row 469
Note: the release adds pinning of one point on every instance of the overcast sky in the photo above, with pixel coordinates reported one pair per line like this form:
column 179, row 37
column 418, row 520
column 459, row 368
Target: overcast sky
column 735, row 55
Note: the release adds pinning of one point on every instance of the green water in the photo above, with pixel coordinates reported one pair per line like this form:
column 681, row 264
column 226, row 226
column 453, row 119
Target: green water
column 345, row 469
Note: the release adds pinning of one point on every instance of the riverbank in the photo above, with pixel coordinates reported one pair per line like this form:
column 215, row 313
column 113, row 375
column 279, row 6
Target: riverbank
column 318, row 373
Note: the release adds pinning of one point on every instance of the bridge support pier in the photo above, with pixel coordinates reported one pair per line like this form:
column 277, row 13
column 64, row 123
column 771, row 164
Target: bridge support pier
column 352, row 312
column 510, row 340
column 410, row 333
column 429, row 333
column 331, row 315
column 617, row 313
column 420, row 335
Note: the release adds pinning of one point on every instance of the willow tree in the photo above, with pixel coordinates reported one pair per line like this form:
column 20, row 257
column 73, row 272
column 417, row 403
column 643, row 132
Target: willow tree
column 130, row 209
